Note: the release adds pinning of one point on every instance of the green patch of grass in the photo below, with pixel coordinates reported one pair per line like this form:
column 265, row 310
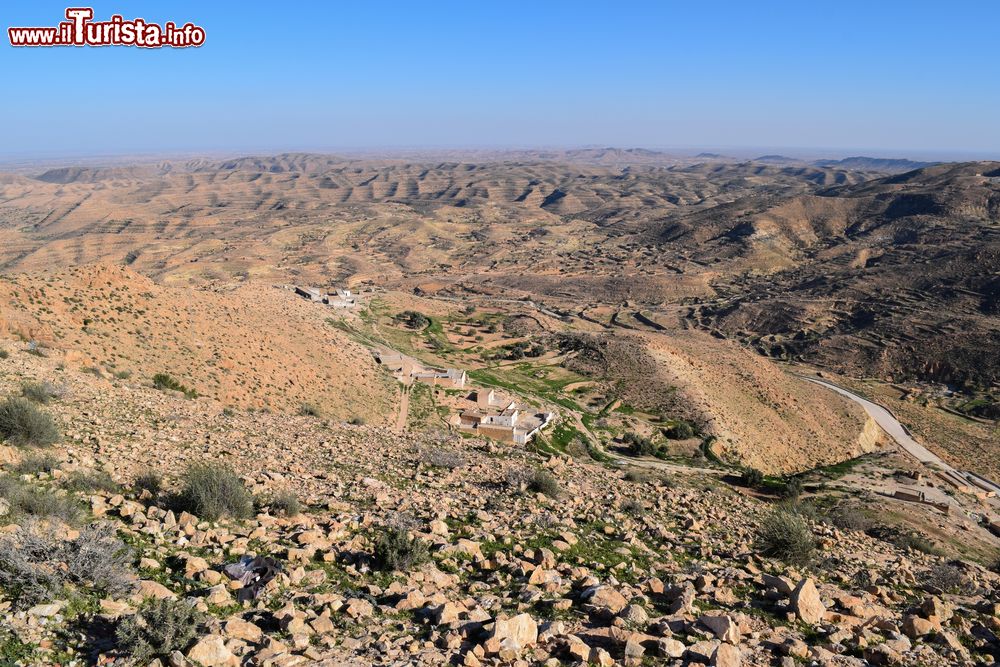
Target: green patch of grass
column 835, row 470
column 163, row 381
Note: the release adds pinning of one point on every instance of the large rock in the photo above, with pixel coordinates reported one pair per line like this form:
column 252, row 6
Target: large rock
column 605, row 596
column 726, row 655
column 211, row 651
column 806, row 604
column 153, row 589
column 510, row 636
column 723, row 627
column 237, row 628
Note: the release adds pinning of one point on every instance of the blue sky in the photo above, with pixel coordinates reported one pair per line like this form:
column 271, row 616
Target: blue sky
column 907, row 78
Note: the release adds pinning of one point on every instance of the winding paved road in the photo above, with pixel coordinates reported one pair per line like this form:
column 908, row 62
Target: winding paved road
column 889, row 424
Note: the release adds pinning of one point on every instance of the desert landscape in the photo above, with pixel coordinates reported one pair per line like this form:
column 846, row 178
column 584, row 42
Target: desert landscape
column 589, row 406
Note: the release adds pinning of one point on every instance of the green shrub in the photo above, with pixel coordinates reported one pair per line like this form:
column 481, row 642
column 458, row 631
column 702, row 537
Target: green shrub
column 89, row 481
column 4, row 354
column 542, row 481
column 162, row 381
column 150, row 481
column 25, row 500
column 396, row 549
column 37, row 565
column 157, row 629
column 23, row 424
column 357, row 421
column 33, row 464
column 786, row 536
column 681, row 430
column 412, row 319
column 792, row 488
column 39, row 392
column 641, row 446
column 309, row 410
column 285, row 503
column 752, row 477
column 211, row 491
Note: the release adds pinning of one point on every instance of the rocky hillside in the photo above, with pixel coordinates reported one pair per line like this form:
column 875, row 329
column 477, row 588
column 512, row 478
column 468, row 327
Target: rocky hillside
column 246, row 346
column 379, row 548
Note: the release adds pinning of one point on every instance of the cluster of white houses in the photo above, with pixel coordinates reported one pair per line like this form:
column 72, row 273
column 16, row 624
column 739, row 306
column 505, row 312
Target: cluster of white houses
column 482, row 411
column 500, row 418
column 340, row 298
column 407, row 369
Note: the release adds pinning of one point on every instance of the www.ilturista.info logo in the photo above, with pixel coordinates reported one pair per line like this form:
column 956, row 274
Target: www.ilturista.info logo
column 80, row 30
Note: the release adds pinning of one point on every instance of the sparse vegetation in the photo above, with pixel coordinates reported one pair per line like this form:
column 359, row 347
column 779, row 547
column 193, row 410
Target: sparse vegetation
column 309, row 410
column 945, row 577
column 534, row 480
column 39, row 392
column 917, row 543
column 786, row 536
column 163, row 381
column 89, row 481
column 284, row 503
column 150, row 482
column 36, row 564
column 793, row 487
column 24, row 424
column 443, row 458
column 752, row 478
column 157, row 629
column 641, row 446
column 33, row 464
column 25, row 500
column 397, row 549
column 212, row 491
column 412, row 319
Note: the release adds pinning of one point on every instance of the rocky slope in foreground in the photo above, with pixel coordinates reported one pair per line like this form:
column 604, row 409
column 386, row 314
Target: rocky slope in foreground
column 585, row 564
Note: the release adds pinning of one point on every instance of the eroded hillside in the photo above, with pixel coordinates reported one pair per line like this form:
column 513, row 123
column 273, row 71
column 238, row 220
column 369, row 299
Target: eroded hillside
column 248, row 346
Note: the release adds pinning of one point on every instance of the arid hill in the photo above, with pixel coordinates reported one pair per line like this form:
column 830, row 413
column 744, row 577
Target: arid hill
column 247, row 346
column 893, row 277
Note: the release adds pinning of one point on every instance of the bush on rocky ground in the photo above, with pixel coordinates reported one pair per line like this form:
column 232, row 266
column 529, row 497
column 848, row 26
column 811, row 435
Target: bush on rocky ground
column 397, row 549
column 149, row 481
column 32, row 464
column 211, row 491
column 157, row 629
column 89, row 481
column 443, row 458
column 38, row 565
column 40, row 392
column 945, row 577
column 309, row 410
column 752, row 478
column 647, row 476
column 18, row 500
column 164, row 381
column 24, row 424
column 786, row 535
column 534, row 480
column 283, row 503
column 792, row 488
